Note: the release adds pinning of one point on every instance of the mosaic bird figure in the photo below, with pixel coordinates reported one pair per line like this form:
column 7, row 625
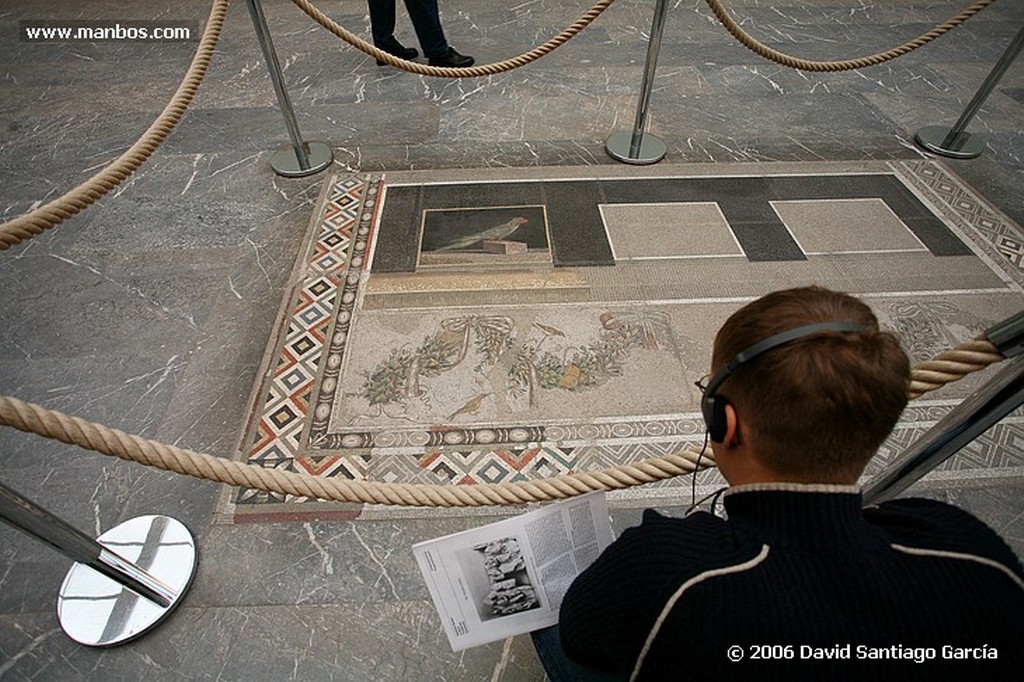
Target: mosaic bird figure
column 496, row 233
column 548, row 330
column 471, row 406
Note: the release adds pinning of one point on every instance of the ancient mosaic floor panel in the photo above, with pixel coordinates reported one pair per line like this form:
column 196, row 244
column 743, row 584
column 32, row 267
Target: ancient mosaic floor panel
column 482, row 327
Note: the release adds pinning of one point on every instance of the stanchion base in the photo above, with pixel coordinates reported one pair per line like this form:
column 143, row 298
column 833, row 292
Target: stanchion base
column 97, row 611
column 652, row 149
column 964, row 146
column 285, row 161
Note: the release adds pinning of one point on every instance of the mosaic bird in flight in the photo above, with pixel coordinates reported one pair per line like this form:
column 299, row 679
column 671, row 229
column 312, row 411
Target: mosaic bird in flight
column 496, row 233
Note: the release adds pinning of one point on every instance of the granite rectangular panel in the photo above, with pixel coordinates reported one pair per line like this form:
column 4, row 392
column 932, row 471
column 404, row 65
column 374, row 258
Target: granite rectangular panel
column 743, row 201
column 823, row 226
column 661, row 280
column 669, row 230
column 918, row 217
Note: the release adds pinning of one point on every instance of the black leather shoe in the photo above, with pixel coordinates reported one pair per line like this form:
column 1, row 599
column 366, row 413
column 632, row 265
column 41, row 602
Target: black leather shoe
column 399, row 50
column 452, row 59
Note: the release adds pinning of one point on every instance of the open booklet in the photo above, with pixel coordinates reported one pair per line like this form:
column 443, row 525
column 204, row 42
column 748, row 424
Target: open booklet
column 509, row 577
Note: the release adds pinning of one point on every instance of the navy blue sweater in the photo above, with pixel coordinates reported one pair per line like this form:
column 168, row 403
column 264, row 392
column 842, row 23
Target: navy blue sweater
column 801, row 583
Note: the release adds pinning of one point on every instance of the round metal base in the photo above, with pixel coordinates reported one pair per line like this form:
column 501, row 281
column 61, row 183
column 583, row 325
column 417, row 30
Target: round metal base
column 96, row 611
column 964, row 146
column 286, row 162
column 652, row 150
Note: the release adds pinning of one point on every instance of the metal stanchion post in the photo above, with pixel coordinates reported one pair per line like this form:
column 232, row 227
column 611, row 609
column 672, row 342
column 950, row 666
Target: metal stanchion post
column 997, row 398
column 301, row 158
column 636, row 146
column 955, row 142
column 99, row 603
column 964, row 423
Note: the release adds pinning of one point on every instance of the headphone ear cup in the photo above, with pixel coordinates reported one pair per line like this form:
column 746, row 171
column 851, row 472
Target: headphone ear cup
column 718, row 424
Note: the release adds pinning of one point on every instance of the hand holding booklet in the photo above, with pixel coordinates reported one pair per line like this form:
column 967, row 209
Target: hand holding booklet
column 508, row 577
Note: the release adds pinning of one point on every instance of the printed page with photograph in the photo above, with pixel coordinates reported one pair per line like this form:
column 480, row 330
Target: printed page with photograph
column 509, row 577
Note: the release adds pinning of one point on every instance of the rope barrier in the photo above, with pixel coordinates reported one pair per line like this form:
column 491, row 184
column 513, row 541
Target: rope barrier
column 952, row 365
column 443, row 72
column 945, row 368
column 35, row 222
column 87, row 193
column 716, row 7
column 75, row 431
column 763, row 50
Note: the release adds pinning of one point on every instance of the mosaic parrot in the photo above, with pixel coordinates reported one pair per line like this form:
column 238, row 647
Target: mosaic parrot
column 496, row 233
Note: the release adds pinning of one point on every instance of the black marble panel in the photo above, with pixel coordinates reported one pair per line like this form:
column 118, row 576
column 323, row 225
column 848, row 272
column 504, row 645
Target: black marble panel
column 578, row 236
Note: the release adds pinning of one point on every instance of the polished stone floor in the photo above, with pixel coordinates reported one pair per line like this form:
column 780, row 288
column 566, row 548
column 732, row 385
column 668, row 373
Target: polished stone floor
column 152, row 311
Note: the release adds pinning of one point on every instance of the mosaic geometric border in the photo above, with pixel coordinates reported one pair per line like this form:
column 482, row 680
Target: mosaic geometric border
column 959, row 205
column 327, row 269
column 312, row 342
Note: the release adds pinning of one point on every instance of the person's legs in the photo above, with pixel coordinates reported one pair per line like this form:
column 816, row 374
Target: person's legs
column 382, row 26
column 382, row 22
column 558, row 666
column 426, row 20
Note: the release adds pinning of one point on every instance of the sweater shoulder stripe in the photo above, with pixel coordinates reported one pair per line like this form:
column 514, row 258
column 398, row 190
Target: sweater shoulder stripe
column 921, row 551
column 695, row 580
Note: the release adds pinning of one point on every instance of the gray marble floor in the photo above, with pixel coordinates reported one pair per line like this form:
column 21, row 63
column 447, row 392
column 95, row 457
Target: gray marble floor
column 151, row 310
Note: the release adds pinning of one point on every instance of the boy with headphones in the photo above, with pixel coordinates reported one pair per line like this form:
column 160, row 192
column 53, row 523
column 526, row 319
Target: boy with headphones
column 799, row 581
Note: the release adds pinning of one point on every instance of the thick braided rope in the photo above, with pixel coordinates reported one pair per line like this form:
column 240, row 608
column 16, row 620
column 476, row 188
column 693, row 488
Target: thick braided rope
column 945, row 368
column 952, row 365
column 73, row 430
column 81, row 197
column 845, row 65
column 469, row 72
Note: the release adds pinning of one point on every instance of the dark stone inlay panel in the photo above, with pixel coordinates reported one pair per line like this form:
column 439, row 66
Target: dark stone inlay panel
column 578, row 236
column 577, row 231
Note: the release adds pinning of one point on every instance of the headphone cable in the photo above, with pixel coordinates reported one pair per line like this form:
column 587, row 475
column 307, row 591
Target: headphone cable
column 696, row 468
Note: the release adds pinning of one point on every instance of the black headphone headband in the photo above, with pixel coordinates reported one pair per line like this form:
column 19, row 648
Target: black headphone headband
column 714, row 418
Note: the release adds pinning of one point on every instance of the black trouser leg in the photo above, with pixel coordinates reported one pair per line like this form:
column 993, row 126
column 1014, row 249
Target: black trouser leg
column 382, row 21
column 426, row 20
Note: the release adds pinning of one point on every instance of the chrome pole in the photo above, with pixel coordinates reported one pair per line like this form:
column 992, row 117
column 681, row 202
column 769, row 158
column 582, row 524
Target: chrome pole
column 985, row 407
column 955, row 142
column 91, row 606
column 301, row 158
column 638, row 147
column 33, row 520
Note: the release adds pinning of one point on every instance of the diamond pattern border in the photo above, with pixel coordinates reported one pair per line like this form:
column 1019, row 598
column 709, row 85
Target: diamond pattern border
column 960, row 205
column 330, row 262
